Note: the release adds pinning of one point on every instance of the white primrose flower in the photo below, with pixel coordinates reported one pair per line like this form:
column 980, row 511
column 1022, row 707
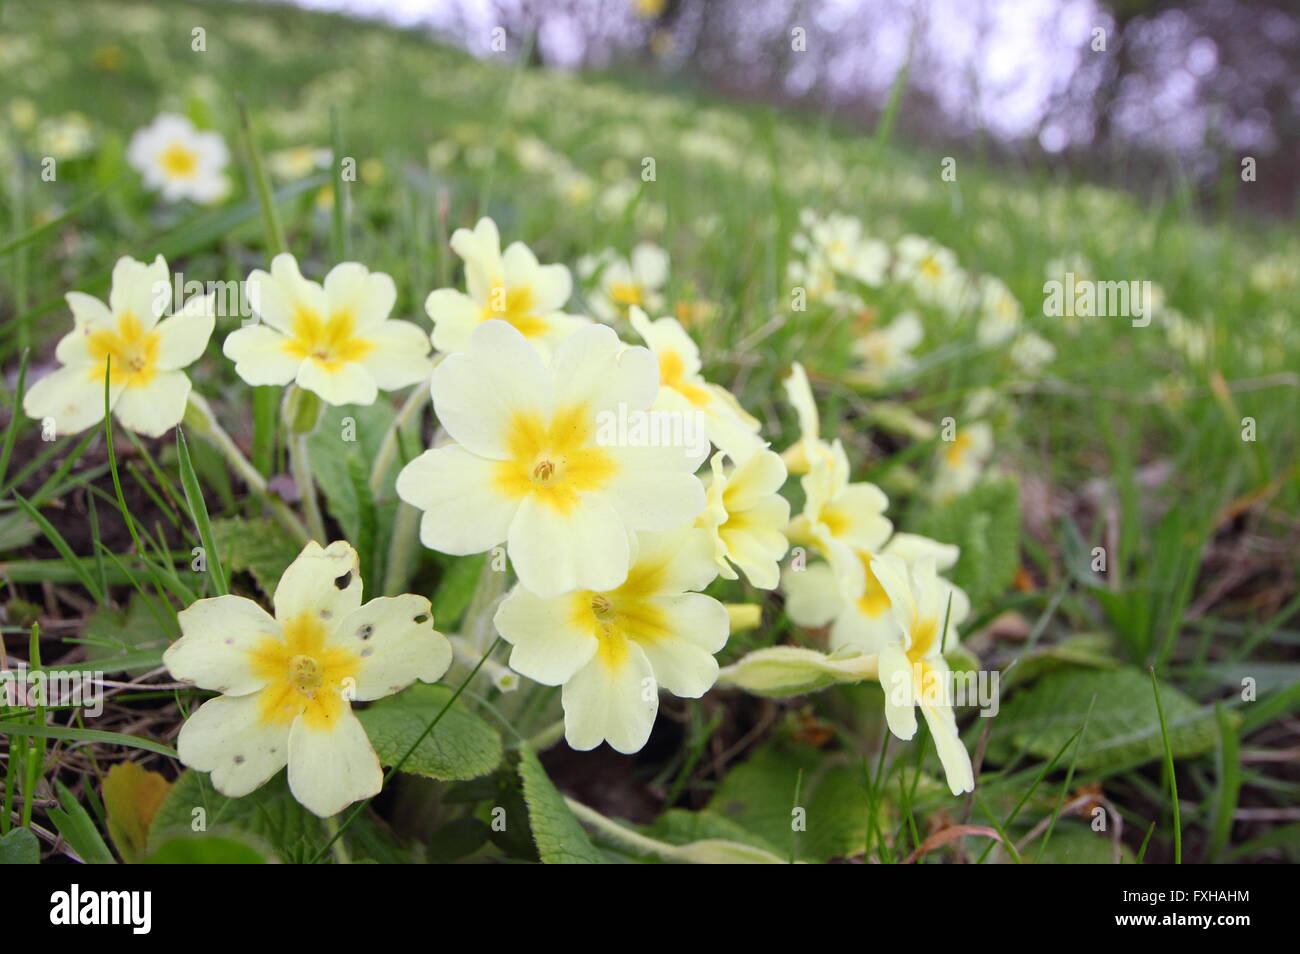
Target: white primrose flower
column 855, row 605
column 147, row 390
column 511, row 286
column 613, row 649
column 683, row 390
column 839, row 241
column 746, row 517
column 962, row 460
column 178, row 160
column 1000, row 313
column 533, row 462
column 887, row 352
column 912, row 670
column 287, row 682
column 1032, row 353
column 810, row 446
column 335, row 340
column 932, row 271
column 622, row 283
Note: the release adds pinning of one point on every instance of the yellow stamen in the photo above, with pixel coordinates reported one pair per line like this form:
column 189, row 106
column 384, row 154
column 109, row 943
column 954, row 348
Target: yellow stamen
column 133, row 350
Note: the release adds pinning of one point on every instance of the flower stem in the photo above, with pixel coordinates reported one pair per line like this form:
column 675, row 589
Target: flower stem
column 337, row 847
column 203, row 422
column 401, row 549
column 301, row 412
column 300, row 464
column 411, row 409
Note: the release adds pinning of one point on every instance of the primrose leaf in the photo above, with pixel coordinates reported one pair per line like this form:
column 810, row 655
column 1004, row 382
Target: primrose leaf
column 460, row 746
column 560, row 839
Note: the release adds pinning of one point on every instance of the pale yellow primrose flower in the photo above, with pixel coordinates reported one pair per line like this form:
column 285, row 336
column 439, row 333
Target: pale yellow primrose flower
column 533, row 464
column 839, row 517
column 178, row 160
column 912, row 670
column 855, row 605
column 622, row 283
column 287, row 682
column 683, row 389
column 147, row 389
column 335, row 340
column 810, row 446
column 962, row 460
column 887, row 352
column 511, row 287
column 746, row 516
column 613, row 649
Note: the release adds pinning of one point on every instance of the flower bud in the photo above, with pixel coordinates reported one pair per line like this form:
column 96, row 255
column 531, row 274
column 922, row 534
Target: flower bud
column 780, row 671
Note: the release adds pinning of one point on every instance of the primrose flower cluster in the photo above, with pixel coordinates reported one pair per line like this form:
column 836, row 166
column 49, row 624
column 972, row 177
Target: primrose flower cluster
column 582, row 455
column 840, row 267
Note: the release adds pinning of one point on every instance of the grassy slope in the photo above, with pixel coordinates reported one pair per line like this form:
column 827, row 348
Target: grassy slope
column 1123, row 424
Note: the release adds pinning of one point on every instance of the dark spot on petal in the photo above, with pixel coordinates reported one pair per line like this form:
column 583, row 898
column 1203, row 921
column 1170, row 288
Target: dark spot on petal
column 343, row 581
column 239, row 760
column 422, row 618
column 366, row 631
column 325, row 614
column 367, row 653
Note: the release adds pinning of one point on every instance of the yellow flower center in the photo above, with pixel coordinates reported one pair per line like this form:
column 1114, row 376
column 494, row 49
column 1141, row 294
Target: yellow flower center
column 331, row 342
column 178, row 161
column 555, row 461
column 929, row 267
column 957, row 449
column 923, row 634
column 874, row 601
column 626, row 294
column 133, row 352
column 305, row 676
column 626, row 614
column 516, row 306
column 672, row 373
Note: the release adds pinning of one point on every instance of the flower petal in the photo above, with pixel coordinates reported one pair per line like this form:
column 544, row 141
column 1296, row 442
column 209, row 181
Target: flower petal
column 155, row 408
column 683, row 660
column 554, row 552
column 454, row 488
column 548, row 647
column 260, row 356
column 347, row 383
column 897, row 680
column 398, row 356
column 183, row 337
column 594, row 369
column 395, row 647
column 323, row 581
column 478, row 394
column 227, row 737
column 332, row 767
column 613, row 698
column 217, row 636
column 73, row 398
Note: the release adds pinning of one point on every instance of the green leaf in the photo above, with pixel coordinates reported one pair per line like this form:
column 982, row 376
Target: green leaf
column 985, row 523
column 1123, row 729
column 343, row 434
column 257, row 546
column 86, row 735
column 460, row 746
column 113, row 636
column 78, row 829
column 677, row 826
column 560, row 839
column 20, row 847
column 205, row 850
column 1075, row 844
column 758, row 797
column 269, row 816
column 456, row 590
column 199, row 514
